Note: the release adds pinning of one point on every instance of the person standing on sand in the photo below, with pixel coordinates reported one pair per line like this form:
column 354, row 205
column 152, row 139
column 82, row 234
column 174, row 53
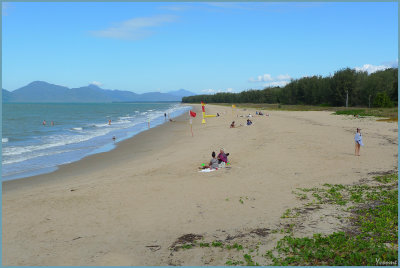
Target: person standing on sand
column 359, row 142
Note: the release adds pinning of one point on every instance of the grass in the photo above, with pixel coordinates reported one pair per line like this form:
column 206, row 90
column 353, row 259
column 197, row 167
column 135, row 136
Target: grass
column 374, row 238
column 390, row 113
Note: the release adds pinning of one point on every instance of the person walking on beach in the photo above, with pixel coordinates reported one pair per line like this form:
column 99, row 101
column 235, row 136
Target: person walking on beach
column 165, row 116
column 359, row 142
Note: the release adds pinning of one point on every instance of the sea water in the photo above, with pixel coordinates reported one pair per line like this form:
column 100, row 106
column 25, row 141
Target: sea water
column 30, row 148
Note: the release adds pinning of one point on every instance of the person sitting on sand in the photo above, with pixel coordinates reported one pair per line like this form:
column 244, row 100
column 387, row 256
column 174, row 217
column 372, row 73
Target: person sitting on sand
column 222, row 157
column 358, row 139
column 233, row 124
column 249, row 122
column 260, row 113
column 213, row 163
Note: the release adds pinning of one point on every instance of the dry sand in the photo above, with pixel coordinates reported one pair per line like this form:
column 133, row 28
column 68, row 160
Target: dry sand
column 128, row 206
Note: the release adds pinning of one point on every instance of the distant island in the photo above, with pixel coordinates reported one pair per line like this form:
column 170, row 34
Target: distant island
column 40, row 91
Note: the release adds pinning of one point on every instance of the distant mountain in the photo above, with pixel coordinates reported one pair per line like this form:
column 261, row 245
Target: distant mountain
column 158, row 96
column 6, row 95
column 40, row 91
column 182, row 93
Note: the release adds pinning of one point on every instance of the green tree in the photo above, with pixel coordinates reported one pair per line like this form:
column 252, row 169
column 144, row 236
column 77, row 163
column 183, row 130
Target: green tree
column 382, row 100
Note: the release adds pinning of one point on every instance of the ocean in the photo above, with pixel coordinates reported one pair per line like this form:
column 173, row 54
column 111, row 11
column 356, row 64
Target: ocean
column 30, row 148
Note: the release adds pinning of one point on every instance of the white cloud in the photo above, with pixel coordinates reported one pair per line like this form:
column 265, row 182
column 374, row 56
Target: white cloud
column 283, row 77
column 281, row 80
column 96, row 83
column 134, row 29
column 5, row 8
column 213, row 91
column 210, row 90
column 277, row 83
column 370, row 68
column 265, row 7
column 261, row 78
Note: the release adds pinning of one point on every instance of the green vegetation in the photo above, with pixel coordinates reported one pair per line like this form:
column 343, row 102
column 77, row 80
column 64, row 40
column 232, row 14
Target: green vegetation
column 387, row 178
column 204, row 245
column 387, row 112
column 187, row 246
column 375, row 90
column 249, row 260
column 232, row 262
column 289, row 214
column 217, row 244
column 236, row 246
column 372, row 239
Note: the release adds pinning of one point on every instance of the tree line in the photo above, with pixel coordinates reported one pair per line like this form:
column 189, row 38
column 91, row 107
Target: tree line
column 379, row 89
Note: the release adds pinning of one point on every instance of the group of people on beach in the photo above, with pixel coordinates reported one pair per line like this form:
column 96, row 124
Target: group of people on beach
column 217, row 162
column 261, row 113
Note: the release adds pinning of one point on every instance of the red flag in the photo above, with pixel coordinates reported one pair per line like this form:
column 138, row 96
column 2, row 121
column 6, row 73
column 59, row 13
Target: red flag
column 202, row 108
column 192, row 114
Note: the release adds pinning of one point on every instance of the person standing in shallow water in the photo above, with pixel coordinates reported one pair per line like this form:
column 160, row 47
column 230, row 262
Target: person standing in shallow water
column 359, row 142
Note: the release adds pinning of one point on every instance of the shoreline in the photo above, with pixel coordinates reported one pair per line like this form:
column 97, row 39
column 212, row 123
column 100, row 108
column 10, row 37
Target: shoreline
column 91, row 162
column 129, row 205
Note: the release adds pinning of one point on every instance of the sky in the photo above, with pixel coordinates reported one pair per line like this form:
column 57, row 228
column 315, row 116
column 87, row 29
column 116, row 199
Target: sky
column 201, row 47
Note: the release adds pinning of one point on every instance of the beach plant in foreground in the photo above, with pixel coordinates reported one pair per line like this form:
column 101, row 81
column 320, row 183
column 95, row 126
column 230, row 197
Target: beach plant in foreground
column 373, row 239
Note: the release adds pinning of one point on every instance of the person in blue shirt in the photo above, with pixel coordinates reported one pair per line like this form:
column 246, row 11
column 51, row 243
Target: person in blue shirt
column 359, row 142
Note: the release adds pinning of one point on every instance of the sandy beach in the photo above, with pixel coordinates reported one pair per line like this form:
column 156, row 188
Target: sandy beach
column 128, row 206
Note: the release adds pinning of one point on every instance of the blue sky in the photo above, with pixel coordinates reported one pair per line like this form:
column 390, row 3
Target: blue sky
column 201, row 47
